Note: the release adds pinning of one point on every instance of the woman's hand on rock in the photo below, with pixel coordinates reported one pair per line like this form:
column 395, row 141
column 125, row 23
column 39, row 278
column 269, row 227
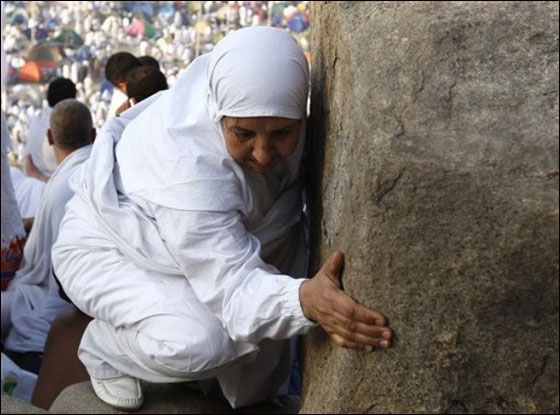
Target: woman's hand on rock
column 348, row 323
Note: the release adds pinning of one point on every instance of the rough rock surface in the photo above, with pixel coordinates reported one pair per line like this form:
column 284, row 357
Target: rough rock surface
column 15, row 406
column 434, row 164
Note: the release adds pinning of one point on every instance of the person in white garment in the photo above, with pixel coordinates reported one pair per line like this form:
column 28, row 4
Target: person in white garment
column 38, row 155
column 118, row 66
column 184, row 240
column 13, row 233
column 32, row 301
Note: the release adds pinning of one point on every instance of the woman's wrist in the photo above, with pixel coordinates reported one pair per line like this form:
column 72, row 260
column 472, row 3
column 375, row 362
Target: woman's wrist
column 304, row 300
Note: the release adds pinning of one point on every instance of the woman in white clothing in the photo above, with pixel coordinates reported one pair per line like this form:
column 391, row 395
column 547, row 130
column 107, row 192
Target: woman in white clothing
column 193, row 268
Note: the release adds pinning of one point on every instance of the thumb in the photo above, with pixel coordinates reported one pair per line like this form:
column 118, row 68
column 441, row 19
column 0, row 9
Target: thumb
column 333, row 267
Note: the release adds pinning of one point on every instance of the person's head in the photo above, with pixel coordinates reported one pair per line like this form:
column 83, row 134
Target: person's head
column 60, row 89
column 148, row 60
column 118, row 66
column 71, row 127
column 258, row 81
column 260, row 143
column 144, row 81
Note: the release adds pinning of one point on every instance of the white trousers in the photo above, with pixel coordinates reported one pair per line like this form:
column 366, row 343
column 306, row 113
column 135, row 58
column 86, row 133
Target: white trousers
column 107, row 351
column 152, row 326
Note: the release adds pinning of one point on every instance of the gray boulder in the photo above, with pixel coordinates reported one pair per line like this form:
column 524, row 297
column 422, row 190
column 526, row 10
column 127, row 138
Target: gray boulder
column 11, row 405
column 434, row 167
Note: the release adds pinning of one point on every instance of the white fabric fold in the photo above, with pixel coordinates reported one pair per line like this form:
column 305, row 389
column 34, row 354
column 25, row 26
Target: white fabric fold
column 117, row 99
column 11, row 227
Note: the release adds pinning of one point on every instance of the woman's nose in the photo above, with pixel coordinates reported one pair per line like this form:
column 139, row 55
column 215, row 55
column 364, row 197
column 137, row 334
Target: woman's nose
column 263, row 155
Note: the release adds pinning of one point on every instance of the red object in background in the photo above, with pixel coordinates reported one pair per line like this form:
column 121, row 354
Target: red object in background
column 11, row 259
column 30, row 72
column 42, row 63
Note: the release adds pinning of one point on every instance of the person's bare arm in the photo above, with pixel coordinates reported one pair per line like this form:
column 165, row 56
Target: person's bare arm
column 348, row 323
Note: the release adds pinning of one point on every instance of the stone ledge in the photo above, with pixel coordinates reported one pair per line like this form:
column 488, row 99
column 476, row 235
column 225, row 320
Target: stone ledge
column 158, row 399
column 161, row 399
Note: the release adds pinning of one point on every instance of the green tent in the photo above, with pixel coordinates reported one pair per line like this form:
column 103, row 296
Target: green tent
column 69, row 39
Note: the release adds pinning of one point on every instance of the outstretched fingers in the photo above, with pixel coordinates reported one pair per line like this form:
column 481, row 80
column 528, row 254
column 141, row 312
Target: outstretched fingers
column 362, row 334
column 351, row 309
column 349, row 323
column 355, row 326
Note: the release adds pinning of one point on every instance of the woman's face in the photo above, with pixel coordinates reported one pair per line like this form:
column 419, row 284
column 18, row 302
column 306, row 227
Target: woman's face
column 260, row 143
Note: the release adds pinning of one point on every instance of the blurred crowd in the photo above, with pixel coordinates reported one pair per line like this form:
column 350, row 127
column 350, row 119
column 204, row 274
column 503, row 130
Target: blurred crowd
column 47, row 39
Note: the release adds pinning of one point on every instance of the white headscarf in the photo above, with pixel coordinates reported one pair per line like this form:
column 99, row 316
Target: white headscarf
column 260, row 72
column 253, row 72
column 172, row 151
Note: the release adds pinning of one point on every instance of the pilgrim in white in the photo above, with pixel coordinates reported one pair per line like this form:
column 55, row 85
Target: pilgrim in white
column 31, row 302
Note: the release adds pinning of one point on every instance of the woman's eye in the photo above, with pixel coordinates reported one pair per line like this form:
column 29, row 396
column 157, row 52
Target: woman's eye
column 279, row 135
column 243, row 135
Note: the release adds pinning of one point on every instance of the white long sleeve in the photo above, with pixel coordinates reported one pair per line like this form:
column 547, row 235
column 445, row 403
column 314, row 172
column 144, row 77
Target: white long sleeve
column 222, row 262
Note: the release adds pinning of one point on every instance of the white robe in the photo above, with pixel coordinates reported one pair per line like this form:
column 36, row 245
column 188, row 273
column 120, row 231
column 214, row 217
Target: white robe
column 36, row 302
column 188, row 269
column 117, row 99
column 37, row 145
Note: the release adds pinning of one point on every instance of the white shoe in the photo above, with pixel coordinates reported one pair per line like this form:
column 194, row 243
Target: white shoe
column 123, row 392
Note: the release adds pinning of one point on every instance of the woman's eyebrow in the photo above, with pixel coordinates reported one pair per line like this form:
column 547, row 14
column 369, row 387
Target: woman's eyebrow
column 241, row 129
column 285, row 128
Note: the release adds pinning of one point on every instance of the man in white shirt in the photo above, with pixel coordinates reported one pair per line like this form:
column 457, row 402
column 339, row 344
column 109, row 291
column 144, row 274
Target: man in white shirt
column 32, row 302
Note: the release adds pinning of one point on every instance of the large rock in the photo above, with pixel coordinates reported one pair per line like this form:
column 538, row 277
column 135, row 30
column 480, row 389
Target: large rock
column 434, row 164
column 11, row 405
column 162, row 399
